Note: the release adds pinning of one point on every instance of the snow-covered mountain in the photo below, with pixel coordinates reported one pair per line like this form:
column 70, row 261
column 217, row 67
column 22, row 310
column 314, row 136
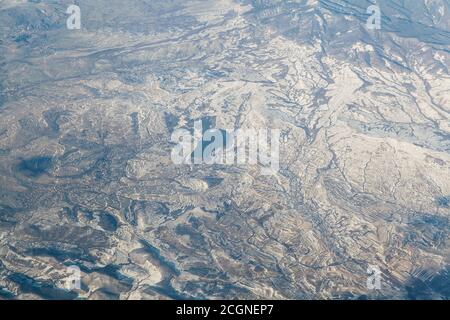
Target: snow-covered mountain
column 87, row 180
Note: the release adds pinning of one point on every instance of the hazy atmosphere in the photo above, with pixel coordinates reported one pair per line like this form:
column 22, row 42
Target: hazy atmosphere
column 220, row 149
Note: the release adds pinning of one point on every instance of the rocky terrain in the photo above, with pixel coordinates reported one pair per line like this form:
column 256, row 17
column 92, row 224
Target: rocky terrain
column 86, row 176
